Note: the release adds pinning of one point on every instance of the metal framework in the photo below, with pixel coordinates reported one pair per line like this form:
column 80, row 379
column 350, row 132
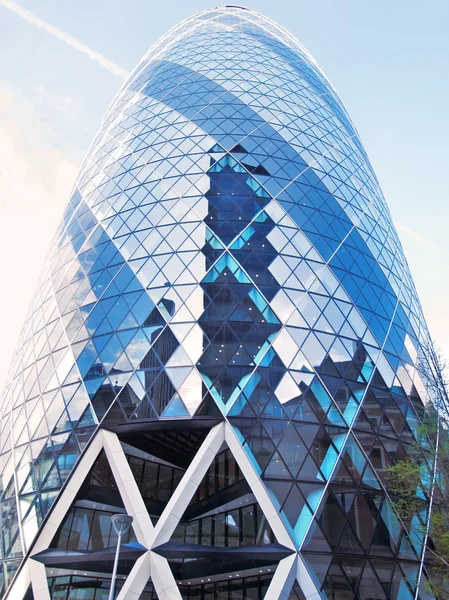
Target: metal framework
column 226, row 264
column 151, row 564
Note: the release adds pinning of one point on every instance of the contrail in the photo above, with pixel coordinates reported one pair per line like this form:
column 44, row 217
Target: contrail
column 436, row 249
column 101, row 60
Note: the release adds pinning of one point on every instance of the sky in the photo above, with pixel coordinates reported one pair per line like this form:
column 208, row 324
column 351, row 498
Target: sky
column 62, row 63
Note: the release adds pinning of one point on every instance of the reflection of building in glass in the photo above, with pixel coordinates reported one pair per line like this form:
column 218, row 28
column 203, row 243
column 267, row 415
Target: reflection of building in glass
column 223, row 344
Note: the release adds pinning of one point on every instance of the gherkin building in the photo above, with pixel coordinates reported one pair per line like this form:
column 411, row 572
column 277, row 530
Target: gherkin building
column 224, row 344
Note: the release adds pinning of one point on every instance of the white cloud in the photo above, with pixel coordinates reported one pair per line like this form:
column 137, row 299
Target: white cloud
column 101, row 60
column 35, row 182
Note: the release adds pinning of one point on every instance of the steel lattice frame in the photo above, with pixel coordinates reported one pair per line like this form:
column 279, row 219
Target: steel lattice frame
column 226, row 110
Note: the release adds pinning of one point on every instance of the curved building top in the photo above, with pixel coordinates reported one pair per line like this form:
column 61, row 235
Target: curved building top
column 236, row 75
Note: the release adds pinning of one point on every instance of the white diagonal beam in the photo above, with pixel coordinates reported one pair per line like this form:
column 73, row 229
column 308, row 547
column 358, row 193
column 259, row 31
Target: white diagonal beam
column 128, row 489
column 39, row 580
column 137, row 579
column 68, row 495
column 283, row 579
column 306, row 582
column 152, row 564
column 135, row 507
column 258, row 488
column 162, row 578
column 188, row 485
column 157, row 566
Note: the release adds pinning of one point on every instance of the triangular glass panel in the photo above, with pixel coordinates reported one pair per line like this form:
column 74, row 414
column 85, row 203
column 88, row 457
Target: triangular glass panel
column 292, row 450
column 405, row 549
column 370, row 586
column 384, row 571
column 345, row 497
column 293, row 506
column 411, row 572
column 381, row 544
column 279, row 490
column 318, row 565
column 362, row 518
column 352, row 567
column 276, row 468
column 310, row 471
column 316, row 540
column 400, row 588
column 336, row 585
column 87, row 419
column 332, row 519
column 300, row 409
column 260, row 446
column 175, row 409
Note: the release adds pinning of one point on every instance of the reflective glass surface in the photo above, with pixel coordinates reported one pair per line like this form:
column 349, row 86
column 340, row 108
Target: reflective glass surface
column 227, row 253
column 66, row 587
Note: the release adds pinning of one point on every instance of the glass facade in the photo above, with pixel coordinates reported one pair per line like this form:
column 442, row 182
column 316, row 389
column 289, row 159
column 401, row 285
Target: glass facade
column 226, row 258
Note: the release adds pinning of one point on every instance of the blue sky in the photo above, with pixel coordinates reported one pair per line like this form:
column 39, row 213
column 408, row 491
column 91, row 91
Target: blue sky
column 387, row 59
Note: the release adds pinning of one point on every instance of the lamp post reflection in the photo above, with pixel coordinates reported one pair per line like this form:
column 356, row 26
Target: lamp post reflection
column 121, row 525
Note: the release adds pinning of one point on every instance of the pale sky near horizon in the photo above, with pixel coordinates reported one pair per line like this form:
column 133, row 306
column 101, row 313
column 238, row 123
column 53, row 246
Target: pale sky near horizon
column 62, row 64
